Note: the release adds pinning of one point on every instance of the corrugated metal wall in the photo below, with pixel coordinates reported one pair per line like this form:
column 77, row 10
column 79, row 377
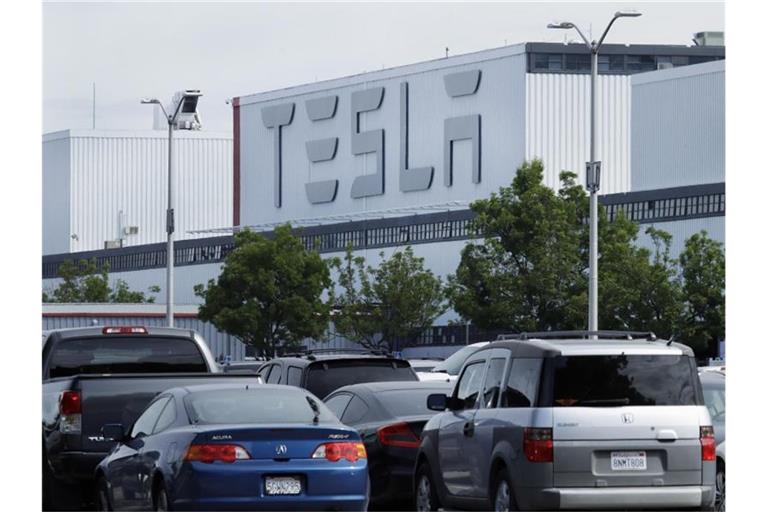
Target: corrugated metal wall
column 221, row 344
column 112, row 172
column 557, row 126
column 682, row 230
column 678, row 126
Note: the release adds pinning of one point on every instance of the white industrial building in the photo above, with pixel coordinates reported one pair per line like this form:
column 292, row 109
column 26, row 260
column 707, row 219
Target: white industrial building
column 109, row 188
column 393, row 157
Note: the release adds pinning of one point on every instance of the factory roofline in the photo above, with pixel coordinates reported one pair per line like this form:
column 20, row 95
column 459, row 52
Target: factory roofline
column 473, row 57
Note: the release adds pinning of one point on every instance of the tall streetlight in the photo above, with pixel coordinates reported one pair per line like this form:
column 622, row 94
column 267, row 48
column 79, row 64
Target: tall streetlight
column 593, row 166
column 187, row 104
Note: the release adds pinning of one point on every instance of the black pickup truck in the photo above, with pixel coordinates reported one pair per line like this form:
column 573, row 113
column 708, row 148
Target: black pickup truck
column 98, row 375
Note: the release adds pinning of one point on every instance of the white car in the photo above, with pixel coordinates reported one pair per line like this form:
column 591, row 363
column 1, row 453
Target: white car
column 449, row 369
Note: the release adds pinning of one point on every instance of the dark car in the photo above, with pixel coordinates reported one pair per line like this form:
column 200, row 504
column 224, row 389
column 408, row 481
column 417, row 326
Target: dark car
column 389, row 417
column 234, row 447
column 713, row 387
column 324, row 372
column 98, row 375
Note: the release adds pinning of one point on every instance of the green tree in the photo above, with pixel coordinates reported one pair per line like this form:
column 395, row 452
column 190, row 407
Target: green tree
column 399, row 299
column 530, row 270
column 269, row 292
column 84, row 281
column 527, row 272
column 702, row 268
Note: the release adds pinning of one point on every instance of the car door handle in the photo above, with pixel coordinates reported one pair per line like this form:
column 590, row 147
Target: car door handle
column 469, row 428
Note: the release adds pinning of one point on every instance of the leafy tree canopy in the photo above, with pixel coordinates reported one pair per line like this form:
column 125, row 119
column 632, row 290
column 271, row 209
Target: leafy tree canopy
column 84, row 281
column 269, row 292
column 399, row 299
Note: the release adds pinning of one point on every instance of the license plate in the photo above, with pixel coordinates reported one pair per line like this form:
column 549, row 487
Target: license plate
column 628, row 461
column 283, row 485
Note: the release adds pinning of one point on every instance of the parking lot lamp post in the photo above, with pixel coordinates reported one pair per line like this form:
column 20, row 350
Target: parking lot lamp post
column 169, row 217
column 593, row 166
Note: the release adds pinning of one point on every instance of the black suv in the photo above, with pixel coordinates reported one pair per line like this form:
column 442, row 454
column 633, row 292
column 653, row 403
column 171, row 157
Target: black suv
column 322, row 372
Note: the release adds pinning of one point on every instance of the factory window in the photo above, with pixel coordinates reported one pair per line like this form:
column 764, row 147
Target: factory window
column 636, row 63
column 674, row 60
column 606, row 63
column 578, row 62
column 548, row 62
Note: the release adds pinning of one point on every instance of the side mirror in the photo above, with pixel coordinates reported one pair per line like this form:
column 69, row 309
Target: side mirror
column 437, row 402
column 114, row 432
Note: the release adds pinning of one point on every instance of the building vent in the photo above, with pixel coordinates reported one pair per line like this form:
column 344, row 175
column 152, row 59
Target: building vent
column 709, row 38
column 664, row 65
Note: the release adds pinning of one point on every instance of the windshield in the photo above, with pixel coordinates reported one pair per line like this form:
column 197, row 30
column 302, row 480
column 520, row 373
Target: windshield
column 238, row 406
column 714, row 396
column 125, row 354
column 453, row 364
column 325, row 377
column 606, row 381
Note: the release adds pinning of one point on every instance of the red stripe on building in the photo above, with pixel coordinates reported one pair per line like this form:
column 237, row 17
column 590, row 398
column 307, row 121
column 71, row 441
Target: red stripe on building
column 236, row 161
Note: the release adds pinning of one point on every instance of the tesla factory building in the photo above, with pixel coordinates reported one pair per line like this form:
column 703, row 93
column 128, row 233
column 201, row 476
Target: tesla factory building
column 392, row 158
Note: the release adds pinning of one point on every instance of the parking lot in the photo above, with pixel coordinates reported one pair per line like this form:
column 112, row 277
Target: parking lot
column 144, row 418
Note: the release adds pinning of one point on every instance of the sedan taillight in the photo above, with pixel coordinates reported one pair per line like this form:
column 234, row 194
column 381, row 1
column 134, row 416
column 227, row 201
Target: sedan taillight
column 708, row 448
column 334, row 452
column 537, row 444
column 210, row 453
column 399, row 434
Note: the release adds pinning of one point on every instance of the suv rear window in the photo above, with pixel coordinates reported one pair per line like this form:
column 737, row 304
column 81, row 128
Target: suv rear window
column 134, row 354
column 610, row 381
column 324, row 377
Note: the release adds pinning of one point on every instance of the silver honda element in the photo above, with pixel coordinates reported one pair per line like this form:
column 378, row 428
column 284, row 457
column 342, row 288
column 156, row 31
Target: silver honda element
column 600, row 420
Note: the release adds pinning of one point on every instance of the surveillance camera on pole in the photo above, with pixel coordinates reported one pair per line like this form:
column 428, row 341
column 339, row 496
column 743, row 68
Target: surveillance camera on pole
column 182, row 115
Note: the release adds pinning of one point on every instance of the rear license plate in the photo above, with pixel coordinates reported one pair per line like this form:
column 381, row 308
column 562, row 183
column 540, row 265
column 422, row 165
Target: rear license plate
column 628, row 461
column 282, row 485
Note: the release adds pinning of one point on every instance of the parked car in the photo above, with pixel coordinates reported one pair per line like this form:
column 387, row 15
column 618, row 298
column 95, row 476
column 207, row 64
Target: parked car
column 449, row 369
column 389, row 417
column 234, row 447
column 98, row 375
column 713, row 387
column 423, row 364
column 557, row 421
column 322, row 372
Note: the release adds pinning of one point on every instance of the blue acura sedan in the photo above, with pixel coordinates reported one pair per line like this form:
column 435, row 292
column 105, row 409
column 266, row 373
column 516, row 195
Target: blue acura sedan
column 234, row 447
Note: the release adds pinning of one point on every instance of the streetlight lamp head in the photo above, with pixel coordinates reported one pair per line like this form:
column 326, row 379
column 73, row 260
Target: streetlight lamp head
column 627, row 14
column 149, row 101
column 562, row 25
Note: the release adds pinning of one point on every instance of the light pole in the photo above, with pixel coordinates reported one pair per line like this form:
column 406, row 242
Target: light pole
column 187, row 104
column 593, row 166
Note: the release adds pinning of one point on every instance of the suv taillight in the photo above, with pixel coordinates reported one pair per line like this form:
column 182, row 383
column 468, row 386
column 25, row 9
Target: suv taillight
column 210, row 453
column 537, row 444
column 399, row 434
column 334, row 452
column 708, row 448
column 70, row 412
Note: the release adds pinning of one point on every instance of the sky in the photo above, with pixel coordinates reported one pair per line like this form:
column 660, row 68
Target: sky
column 132, row 50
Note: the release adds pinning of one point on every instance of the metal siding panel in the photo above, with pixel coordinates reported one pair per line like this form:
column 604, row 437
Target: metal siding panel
column 500, row 100
column 678, row 129
column 557, row 126
column 111, row 172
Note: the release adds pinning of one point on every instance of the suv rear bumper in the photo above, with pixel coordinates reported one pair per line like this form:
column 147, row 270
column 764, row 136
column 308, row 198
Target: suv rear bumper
column 613, row 497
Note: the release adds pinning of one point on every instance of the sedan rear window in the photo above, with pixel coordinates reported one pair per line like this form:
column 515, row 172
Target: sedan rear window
column 609, row 381
column 328, row 376
column 125, row 354
column 238, row 406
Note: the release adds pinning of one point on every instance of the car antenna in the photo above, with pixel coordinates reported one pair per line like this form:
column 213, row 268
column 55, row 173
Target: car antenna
column 671, row 339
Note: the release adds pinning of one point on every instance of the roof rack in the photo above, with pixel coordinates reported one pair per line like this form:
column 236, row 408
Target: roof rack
column 312, row 352
column 627, row 335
